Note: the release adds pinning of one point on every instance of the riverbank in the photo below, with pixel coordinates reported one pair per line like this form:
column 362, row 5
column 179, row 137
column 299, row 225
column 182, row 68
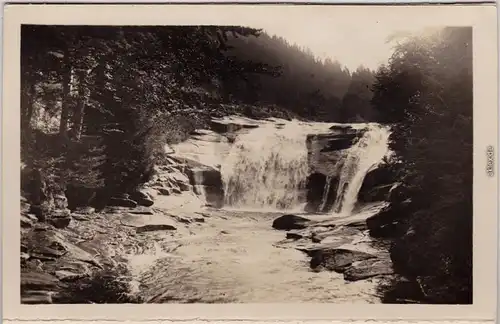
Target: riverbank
column 166, row 255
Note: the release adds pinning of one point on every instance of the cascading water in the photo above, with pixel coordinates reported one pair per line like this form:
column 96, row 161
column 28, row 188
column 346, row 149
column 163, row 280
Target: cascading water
column 360, row 159
column 266, row 168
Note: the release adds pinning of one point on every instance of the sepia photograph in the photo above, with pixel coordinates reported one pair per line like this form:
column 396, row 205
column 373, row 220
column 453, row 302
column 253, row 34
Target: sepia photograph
column 305, row 161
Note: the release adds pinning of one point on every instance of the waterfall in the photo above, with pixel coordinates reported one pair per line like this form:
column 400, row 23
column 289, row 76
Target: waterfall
column 267, row 168
column 360, row 159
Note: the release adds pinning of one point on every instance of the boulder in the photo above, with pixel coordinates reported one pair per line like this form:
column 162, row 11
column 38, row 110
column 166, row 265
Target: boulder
column 142, row 198
column 377, row 184
column 368, row 268
column 337, row 259
column 289, row 222
column 122, row 202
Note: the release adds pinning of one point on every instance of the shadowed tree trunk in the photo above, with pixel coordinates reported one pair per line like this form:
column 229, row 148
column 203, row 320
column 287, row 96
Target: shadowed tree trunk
column 66, row 79
column 79, row 113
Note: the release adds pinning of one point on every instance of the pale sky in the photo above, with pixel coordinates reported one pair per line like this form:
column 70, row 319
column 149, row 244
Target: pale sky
column 352, row 46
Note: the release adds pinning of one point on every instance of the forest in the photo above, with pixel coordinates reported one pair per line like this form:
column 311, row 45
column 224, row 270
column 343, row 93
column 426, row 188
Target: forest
column 99, row 103
column 426, row 93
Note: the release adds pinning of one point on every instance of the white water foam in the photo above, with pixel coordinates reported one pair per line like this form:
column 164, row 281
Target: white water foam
column 367, row 153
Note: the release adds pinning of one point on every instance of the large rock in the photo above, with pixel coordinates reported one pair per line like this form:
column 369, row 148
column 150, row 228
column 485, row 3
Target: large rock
column 377, row 184
column 290, row 222
column 337, row 259
column 368, row 268
column 142, row 198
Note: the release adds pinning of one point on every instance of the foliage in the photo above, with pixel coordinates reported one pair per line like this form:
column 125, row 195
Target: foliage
column 426, row 92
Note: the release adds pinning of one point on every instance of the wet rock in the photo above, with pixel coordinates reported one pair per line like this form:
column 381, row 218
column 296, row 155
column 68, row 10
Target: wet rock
column 337, row 259
column 142, row 198
column 289, row 222
column 367, row 269
column 122, row 202
column 157, row 227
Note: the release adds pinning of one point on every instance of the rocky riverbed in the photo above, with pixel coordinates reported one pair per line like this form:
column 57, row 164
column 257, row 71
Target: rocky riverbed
column 169, row 253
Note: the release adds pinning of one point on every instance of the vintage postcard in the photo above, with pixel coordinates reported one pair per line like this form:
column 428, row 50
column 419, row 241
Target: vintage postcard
column 270, row 162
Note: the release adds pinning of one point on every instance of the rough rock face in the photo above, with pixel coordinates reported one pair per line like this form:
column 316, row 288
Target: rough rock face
column 377, row 184
column 327, row 150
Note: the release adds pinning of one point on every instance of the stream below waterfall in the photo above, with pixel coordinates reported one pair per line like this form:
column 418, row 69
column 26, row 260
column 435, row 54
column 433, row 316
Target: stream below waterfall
column 233, row 259
column 234, row 254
